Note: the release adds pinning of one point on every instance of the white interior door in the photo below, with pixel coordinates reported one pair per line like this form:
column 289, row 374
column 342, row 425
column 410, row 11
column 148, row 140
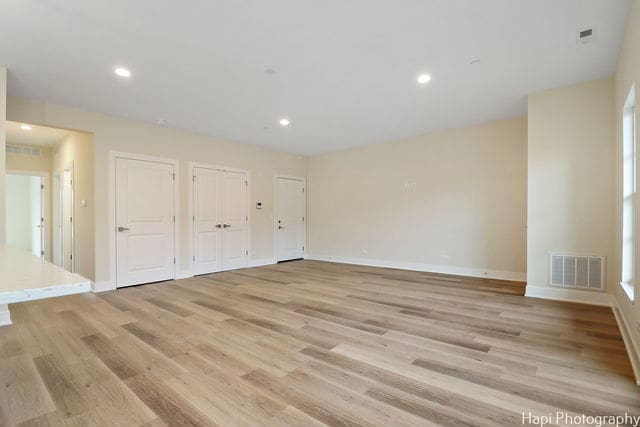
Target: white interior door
column 67, row 219
column 57, row 219
column 145, row 241
column 37, row 215
column 291, row 213
column 25, row 212
column 235, row 221
column 207, row 220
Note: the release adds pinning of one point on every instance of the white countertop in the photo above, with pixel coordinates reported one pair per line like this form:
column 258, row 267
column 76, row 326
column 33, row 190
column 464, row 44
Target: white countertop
column 24, row 277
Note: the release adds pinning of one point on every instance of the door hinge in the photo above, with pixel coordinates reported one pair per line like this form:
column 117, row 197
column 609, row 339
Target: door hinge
column 303, row 248
column 246, row 183
column 194, row 218
column 42, row 186
column 70, row 219
column 173, row 175
column 174, row 260
column 174, row 218
column 41, row 220
column 303, row 189
column 246, row 218
column 302, row 219
column 71, row 256
column 194, row 258
column 246, row 252
column 41, row 253
column 194, row 178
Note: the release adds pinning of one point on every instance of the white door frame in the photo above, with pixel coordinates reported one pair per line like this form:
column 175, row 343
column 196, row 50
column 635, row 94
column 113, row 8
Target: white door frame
column 113, row 155
column 275, row 211
column 72, row 223
column 56, row 218
column 190, row 167
column 45, row 206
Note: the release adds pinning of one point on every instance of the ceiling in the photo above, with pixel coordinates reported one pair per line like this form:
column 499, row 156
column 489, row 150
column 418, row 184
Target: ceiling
column 345, row 70
column 38, row 136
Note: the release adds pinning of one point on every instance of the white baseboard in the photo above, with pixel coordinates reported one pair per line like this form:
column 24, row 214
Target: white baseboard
column 48, row 292
column 5, row 316
column 97, row 287
column 633, row 350
column 431, row 268
column 259, row 262
column 569, row 295
column 184, row 274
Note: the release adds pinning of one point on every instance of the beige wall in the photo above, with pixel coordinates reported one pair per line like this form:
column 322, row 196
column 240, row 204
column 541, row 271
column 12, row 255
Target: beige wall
column 570, row 175
column 77, row 148
column 117, row 134
column 451, row 201
column 3, row 104
column 627, row 74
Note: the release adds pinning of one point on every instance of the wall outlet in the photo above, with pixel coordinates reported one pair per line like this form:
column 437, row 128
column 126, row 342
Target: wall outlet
column 410, row 184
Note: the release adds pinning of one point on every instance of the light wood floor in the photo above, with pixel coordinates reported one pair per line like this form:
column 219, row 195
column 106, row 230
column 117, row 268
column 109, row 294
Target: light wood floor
column 310, row 343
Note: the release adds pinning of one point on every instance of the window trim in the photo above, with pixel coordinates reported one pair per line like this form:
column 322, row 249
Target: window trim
column 629, row 196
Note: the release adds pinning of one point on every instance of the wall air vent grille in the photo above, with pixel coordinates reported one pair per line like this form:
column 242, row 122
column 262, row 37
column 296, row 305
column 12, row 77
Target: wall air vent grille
column 580, row 272
column 586, row 36
column 23, row 150
column 586, row 33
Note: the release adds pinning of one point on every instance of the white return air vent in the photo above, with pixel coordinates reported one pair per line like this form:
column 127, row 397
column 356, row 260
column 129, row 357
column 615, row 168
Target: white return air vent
column 23, row 150
column 573, row 271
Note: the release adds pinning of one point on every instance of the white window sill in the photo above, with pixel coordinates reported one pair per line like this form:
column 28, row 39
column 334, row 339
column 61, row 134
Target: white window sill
column 628, row 290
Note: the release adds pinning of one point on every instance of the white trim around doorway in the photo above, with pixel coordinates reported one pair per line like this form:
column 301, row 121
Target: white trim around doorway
column 113, row 155
column 275, row 213
column 46, row 212
column 190, row 170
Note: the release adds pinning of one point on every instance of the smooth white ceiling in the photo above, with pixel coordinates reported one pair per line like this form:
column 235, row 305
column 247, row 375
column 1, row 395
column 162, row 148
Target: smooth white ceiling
column 346, row 69
column 38, row 136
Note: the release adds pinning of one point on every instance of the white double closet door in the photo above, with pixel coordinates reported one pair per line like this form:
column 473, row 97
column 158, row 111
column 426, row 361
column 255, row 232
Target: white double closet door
column 220, row 220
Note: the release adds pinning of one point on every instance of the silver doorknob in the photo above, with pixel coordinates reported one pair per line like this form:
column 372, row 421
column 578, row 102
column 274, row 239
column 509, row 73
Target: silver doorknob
column 218, row 225
column 226, row 225
column 280, row 227
column 121, row 229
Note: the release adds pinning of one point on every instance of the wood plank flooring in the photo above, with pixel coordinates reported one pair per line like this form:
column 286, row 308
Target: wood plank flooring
column 310, row 343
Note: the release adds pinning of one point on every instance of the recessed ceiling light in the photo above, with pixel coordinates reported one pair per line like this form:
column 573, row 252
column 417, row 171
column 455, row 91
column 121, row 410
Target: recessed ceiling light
column 424, row 78
column 122, row 72
column 284, row 122
column 26, row 127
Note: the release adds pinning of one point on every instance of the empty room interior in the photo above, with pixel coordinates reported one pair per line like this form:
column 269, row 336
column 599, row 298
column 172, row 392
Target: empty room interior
column 341, row 213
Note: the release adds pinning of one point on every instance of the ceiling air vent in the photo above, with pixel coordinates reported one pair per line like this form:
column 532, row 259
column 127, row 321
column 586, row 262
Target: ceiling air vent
column 574, row 271
column 586, row 36
column 23, row 150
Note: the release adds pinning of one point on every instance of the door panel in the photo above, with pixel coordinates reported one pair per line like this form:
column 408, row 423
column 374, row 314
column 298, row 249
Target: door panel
column 235, row 231
column 291, row 227
column 67, row 220
column 207, row 220
column 145, row 242
column 235, row 249
column 36, row 213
